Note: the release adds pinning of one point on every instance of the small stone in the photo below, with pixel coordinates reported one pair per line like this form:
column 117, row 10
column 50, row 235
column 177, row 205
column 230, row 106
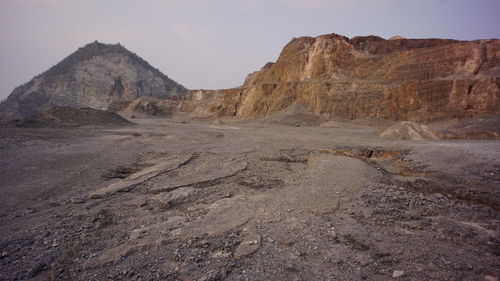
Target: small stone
column 136, row 203
column 77, row 200
column 398, row 273
column 297, row 253
column 55, row 203
column 270, row 240
column 37, row 269
column 210, row 276
column 490, row 278
column 29, row 211
column 227, row 195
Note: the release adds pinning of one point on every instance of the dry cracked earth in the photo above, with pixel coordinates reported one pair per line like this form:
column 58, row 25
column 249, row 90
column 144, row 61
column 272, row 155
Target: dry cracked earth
column 169, row 200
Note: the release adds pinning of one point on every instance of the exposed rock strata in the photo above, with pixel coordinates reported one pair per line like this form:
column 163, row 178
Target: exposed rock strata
column 97, row 76
column 403, row 79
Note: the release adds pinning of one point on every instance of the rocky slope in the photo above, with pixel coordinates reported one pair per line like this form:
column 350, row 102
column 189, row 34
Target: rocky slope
column 398, row 79
column 97, row 75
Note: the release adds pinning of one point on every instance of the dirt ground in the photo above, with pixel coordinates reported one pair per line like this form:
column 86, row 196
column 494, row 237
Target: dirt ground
column 171, row 200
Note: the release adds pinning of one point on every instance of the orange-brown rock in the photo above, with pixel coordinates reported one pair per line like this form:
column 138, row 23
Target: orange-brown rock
column 403, row 79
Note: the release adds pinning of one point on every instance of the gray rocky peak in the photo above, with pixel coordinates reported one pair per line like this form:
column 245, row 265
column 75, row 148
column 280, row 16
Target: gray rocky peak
column 100, row 76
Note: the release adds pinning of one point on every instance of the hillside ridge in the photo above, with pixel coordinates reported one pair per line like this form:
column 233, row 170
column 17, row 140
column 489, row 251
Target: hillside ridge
column 96, row 75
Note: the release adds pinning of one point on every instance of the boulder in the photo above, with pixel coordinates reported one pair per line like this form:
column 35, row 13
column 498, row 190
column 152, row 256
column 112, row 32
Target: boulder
column 410, row 131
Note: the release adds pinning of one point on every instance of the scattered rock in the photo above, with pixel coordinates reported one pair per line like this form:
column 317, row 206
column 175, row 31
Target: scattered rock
column 37, row 269
column 55, row 203
column 120, row 172
column 77, row 200
column 490, row 278
column 397, row 273
column 136, row 203
column 29, row 211
column 210, row 276
column 251, row 242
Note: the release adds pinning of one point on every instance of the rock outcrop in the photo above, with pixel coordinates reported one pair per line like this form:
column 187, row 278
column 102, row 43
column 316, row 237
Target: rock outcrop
column 401, row 79
column 97, row 76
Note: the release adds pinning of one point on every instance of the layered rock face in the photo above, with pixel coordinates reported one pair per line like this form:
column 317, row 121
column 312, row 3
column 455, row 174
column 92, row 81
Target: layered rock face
column 99, row 76
column 398, row 79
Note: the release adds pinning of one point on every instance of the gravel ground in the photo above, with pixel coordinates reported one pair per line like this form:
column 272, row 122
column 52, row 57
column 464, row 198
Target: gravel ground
column 170, row 200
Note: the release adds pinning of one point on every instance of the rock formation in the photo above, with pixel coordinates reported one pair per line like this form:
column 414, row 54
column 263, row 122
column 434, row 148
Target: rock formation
column 403, row 79
column 99, row 76
column 330, row 75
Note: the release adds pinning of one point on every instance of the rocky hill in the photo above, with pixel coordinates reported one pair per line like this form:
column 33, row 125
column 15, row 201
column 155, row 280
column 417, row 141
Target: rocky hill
column 99, row 76
column 398, row 79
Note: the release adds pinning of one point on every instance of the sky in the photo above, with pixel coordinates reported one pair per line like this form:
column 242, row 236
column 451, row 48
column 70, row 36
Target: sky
column 214, row 44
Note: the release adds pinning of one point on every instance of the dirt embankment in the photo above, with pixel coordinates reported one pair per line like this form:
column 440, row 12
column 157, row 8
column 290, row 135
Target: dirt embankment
column 72, row 117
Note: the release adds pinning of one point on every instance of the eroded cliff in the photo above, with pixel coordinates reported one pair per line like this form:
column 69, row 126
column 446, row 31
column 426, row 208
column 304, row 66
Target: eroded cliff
column 400, row 79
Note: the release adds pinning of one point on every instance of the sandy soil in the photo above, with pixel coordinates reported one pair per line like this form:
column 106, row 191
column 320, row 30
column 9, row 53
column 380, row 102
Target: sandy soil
column 167, row 200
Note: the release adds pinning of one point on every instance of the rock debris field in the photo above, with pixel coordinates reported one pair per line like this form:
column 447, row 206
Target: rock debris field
column 166, row 199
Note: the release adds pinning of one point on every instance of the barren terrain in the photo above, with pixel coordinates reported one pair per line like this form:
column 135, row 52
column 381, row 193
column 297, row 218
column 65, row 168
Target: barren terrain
column 166, row 199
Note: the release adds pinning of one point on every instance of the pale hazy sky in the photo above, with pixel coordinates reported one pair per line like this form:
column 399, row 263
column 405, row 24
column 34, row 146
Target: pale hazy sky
column 215, row 43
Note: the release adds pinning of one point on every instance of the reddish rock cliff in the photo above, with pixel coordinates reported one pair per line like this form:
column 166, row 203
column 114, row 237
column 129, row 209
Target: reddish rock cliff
column 410, row 79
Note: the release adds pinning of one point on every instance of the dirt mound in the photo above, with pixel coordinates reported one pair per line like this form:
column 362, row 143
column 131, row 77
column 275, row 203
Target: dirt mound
column 410, row 131
column 71, row 117
column 484, row 127
column 143, row 107
column 295, row 115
